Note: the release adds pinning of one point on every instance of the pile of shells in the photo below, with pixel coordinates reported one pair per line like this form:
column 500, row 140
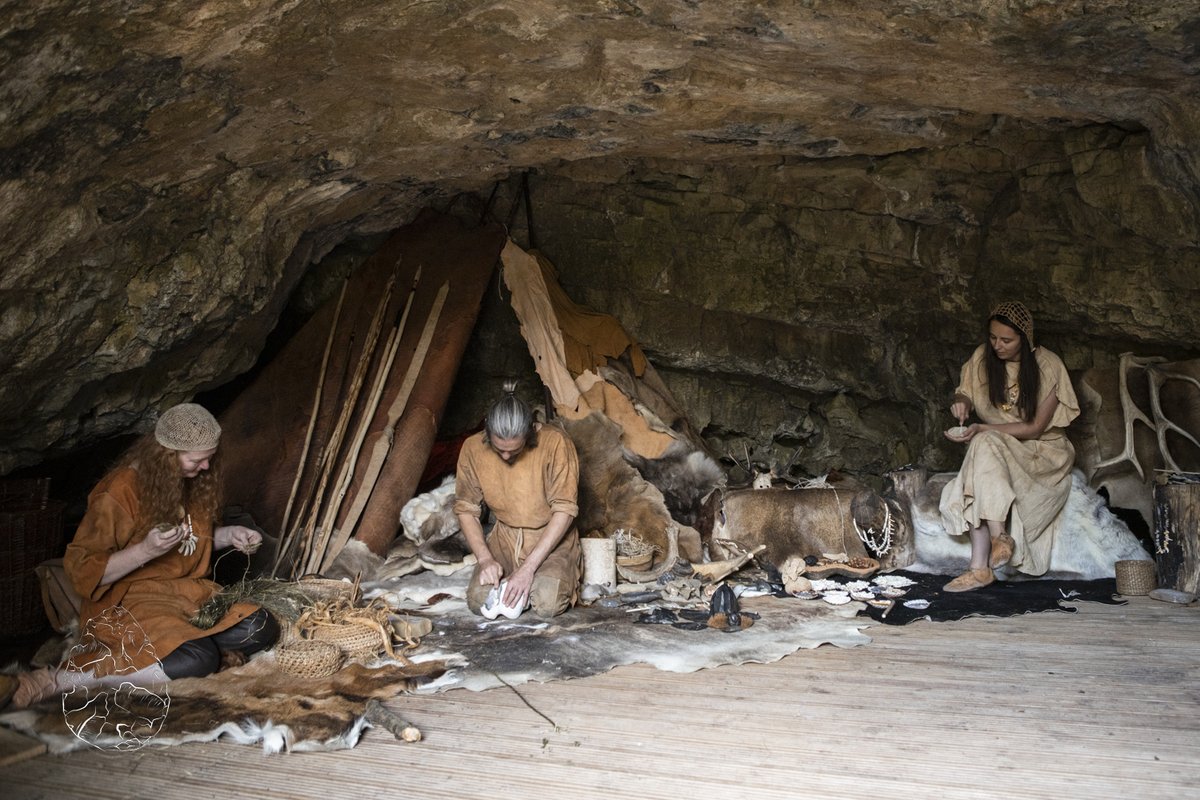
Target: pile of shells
column 882, row 591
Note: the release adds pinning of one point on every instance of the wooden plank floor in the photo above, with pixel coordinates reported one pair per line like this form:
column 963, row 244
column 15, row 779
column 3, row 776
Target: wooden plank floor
column 1100, row 704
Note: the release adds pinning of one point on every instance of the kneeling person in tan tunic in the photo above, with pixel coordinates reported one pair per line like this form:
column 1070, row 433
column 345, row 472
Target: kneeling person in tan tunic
column 529, row 477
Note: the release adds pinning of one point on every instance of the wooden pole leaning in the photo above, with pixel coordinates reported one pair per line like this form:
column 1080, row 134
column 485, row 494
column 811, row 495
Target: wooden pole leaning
column 339, row 430
column 395, row 411
column 308, row 436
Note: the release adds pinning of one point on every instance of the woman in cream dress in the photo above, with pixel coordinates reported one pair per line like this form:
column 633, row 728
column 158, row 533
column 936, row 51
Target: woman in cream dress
column 1016, row 474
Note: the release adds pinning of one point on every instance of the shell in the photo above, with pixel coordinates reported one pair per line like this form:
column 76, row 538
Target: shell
column 807, row 595
column 917, row 603
column 896, row 581
column 860, row 595
column 892, row 591
column 836, row 598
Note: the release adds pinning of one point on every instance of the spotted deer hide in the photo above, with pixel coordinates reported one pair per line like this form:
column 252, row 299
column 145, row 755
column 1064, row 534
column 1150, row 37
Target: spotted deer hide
column 251, row 704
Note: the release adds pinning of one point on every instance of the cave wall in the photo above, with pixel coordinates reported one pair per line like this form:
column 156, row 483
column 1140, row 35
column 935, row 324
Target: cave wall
column 828, row 304
column 170, row 173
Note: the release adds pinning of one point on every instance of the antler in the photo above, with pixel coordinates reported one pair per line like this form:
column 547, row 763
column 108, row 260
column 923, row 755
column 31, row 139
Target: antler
column 1161, row 424
column 1132, row 414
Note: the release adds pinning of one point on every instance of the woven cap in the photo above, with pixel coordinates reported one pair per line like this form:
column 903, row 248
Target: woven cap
column 1018, row 315
column 187, row 427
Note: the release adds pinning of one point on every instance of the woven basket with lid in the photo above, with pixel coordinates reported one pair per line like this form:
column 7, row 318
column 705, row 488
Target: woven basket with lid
column 325, row 590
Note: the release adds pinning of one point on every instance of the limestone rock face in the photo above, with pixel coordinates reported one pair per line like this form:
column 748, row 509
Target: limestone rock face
column 810, row 201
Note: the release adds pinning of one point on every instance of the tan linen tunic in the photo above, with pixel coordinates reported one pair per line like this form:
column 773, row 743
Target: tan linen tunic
column 524, row 495
column 144, row 615
column 1026, row 482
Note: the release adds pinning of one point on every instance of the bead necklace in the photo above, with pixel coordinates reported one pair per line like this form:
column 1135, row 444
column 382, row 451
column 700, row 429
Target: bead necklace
column 188, row 545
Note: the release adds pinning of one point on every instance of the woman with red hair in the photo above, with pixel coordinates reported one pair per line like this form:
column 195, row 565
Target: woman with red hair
column 140, row 561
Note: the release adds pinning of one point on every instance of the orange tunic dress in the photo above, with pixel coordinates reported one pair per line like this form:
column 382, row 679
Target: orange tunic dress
column 142, row 617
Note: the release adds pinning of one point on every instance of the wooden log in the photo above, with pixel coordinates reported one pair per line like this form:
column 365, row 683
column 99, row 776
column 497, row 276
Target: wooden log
column 1177, row 535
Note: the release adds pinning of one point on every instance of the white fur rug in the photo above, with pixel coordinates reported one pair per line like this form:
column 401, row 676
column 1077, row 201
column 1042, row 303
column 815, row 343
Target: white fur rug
column 1089, row 543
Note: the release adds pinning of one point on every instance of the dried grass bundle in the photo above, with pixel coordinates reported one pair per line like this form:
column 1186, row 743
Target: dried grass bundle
column 285, row 599
column 324, row 617
column 630, row 544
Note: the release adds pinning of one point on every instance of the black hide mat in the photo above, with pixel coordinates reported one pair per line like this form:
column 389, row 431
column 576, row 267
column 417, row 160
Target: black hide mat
column 1000, row 599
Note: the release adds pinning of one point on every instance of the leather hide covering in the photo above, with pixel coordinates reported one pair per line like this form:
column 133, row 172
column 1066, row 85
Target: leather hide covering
column 485, row 654
column 613, row 495
column 254, row 703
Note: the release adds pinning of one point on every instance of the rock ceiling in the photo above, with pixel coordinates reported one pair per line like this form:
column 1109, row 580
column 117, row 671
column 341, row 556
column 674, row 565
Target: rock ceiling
column 169, row 170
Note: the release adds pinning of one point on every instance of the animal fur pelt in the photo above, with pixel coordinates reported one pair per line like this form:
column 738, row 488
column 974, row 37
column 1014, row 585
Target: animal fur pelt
column 790, row 522
column 1089, row 542
column 429, row 522
column 486, row 654
column 684, row 475
column 612, row 495
column 252, row 704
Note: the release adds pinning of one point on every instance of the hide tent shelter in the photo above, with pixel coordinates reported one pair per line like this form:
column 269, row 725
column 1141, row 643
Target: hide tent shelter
column 331, row 439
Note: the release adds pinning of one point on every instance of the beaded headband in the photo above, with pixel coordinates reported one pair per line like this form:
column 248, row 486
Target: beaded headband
column 1018, row 315
column 187, row 427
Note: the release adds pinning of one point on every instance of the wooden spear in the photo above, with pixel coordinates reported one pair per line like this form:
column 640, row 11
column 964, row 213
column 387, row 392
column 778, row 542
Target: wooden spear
column 343, row 422
column 312, row 424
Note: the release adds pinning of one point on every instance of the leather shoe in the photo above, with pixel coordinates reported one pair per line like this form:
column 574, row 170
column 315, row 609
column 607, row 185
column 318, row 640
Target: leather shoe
column 970, row 580
column 1002, row 551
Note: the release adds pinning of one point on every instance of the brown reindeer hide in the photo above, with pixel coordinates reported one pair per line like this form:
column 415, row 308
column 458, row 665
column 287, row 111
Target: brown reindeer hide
column 790, row 522
column 613, row 495
column 251, row 704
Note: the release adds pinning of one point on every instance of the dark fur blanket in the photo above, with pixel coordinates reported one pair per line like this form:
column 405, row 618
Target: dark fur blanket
column 1000, row 599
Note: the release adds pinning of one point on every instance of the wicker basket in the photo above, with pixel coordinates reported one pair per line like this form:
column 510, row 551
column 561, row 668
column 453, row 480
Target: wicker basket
column 30, row 533
column 356, row 641
column 309, row 659
column 324, row 590
column 1136, row 577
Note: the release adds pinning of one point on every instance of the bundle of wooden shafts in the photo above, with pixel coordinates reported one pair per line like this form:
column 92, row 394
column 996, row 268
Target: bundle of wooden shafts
column 322, row 523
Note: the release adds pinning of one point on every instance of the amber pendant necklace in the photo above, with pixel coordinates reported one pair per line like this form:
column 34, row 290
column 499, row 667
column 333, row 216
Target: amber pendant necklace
column 1011, row 395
